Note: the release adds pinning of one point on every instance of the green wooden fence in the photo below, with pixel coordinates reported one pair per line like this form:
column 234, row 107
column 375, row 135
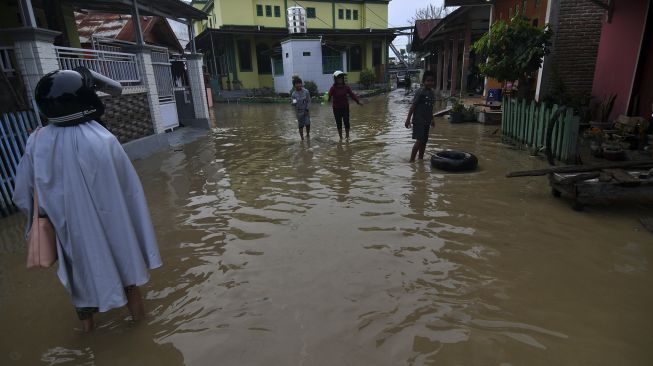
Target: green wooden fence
column 525, row 125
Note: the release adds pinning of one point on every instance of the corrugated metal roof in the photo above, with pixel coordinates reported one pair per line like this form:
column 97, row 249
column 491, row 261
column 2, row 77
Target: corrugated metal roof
column 424, row 26
column 156, row 30
column 99, row 24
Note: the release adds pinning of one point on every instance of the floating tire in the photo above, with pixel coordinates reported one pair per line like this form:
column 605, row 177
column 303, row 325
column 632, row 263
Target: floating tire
column 454, row 161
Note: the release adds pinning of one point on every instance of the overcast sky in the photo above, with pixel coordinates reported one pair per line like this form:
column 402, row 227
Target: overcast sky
column 400, row 11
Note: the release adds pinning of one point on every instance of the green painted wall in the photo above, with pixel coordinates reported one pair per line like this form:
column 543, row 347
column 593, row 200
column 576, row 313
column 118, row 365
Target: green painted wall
column 349, row 23
column 323, row 13
column 375, row 16
column 243, row 12
column 272, row 21
column 266, row 81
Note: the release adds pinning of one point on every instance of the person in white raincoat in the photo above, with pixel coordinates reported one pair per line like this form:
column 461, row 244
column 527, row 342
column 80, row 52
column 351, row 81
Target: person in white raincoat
column 91, row 193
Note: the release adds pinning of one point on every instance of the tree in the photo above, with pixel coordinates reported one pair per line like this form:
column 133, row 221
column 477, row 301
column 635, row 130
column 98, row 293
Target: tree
column 514, row 51
column 431, row 11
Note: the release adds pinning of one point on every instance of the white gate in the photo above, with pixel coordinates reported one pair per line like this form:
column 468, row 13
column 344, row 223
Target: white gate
column 164, row 86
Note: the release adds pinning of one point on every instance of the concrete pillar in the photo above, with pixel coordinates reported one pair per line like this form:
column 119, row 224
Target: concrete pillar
column 144, row 58
column 466, row 51
column 454, row 66
column 545, row 73
column 35, row 55
column 198, row 90
column 445, row 72
column 440, row 56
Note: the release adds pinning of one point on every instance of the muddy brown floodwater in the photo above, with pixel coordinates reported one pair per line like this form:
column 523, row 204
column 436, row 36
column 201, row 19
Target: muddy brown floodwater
column 278, row 252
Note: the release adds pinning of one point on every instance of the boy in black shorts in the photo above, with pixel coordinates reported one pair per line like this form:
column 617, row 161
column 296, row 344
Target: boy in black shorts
column 421, row 112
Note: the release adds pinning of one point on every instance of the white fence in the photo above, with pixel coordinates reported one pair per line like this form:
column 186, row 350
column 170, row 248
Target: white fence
column 7, row 60
column 119, row 66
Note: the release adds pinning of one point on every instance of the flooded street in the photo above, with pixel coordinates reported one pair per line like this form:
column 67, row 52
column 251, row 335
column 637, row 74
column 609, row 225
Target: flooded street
column 278, row 252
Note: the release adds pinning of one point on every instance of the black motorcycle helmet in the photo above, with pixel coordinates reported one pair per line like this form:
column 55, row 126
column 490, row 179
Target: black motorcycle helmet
column 67, row 98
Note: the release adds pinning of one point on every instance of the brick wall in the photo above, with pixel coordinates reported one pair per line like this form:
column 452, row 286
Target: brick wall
column 575, row 47
column 128, row 116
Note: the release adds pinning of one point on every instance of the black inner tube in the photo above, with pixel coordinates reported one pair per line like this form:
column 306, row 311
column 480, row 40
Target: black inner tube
column 455, row 155
column 454, row 161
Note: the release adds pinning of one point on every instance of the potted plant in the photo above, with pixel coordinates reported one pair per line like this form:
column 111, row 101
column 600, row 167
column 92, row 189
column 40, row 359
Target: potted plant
column 457, row 113
column 601, row 113
column 470, row 113
column 595, row 136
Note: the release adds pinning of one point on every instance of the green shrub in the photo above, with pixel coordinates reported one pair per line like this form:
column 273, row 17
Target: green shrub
column 513, row 50
column 367, row 78
column 456, row 105
column 311, row 87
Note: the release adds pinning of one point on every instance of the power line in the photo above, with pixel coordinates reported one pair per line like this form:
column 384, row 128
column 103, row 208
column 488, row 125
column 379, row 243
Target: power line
column 378, row 16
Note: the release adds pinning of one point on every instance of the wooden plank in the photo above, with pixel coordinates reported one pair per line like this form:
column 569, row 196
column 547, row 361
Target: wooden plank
column 564, row 139
column 554, row 134
column 531, row 125
column 567, row 136
column 511, row 120
column 504, row 117
column 622, row 177
column 572, row 179
column 540, row 123
column 522, row 122
column 582, row 168
column 442, row 112
column 505, row 132
column 611, row 192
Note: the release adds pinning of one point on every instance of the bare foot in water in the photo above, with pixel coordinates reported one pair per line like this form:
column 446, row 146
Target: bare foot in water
column 88, row 325
column 135, row 303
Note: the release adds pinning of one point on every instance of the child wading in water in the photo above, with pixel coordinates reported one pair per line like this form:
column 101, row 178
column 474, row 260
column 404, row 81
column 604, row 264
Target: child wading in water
column 301, row 99
column 339, row 92
column 421, row 112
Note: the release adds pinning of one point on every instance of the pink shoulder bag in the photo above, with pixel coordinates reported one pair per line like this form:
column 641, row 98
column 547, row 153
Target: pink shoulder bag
column 42, row 239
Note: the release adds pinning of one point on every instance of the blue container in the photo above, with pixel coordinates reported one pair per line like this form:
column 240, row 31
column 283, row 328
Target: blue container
column 493, row 96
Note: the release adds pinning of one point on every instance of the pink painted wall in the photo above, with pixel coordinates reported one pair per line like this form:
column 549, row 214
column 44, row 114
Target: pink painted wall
column 619, row 48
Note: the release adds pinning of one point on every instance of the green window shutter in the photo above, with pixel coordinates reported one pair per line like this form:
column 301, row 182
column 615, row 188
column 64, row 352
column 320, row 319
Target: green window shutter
column 259, row 10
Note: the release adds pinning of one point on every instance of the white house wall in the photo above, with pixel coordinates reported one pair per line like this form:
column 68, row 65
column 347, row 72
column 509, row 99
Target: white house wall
column 308, row 68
